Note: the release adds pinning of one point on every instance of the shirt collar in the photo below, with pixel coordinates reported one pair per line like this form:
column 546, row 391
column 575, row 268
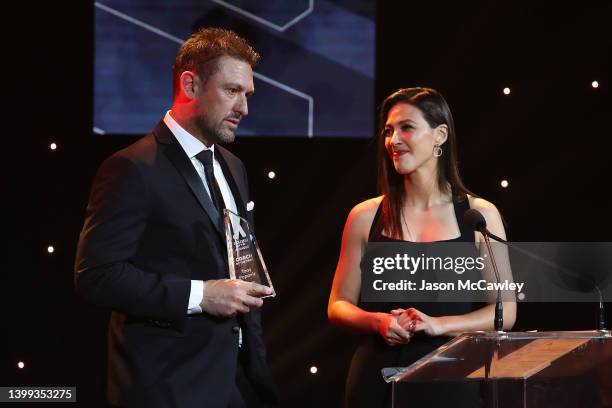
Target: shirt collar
column 190, row 144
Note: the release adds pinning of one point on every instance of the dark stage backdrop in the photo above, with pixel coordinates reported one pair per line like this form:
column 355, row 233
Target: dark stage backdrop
column 549, row 138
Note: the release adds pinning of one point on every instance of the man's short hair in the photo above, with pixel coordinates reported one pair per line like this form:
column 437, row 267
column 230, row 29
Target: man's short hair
column 202, row 50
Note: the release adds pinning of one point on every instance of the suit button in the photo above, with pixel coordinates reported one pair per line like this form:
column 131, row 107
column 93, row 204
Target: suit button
column 236, row 329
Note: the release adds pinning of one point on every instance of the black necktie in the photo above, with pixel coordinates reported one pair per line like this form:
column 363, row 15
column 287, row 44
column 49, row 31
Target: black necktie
column 206, row 158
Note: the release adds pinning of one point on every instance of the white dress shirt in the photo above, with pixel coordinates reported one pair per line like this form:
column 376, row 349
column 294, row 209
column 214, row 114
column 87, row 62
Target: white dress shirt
column 192, row 146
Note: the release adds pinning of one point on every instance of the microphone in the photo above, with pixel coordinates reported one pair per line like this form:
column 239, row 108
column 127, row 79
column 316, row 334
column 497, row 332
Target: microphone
column 476, row 221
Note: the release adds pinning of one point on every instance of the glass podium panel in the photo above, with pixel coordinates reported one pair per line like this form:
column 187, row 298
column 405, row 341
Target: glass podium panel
column 510, row 369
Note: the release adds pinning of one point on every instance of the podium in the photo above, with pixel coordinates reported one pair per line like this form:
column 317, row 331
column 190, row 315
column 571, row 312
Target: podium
column 514, row 369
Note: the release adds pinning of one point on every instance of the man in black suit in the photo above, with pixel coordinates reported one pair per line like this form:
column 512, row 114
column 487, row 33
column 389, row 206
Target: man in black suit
column 153, row 249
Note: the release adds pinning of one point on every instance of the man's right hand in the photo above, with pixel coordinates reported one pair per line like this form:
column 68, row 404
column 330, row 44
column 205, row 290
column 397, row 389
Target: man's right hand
column 228, row 297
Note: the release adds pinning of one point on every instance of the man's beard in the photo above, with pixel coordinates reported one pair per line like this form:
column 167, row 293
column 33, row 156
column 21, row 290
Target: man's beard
column 215, row 134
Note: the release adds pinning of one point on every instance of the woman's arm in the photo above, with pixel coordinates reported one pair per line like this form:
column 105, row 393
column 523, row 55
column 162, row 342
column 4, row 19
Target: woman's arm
column 481, row 319
column 342, row 308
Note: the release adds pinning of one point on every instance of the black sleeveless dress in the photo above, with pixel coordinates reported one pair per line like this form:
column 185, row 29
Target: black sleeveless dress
column 365, row 386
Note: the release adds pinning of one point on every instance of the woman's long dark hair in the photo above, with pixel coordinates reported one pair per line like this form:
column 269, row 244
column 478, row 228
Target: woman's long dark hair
column 436, row 112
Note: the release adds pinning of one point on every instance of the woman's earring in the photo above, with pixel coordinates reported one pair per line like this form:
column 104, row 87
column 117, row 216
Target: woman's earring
column 437, row 150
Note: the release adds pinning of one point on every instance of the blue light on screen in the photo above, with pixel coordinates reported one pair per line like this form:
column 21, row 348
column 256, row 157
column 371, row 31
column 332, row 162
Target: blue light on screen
column 315, row 77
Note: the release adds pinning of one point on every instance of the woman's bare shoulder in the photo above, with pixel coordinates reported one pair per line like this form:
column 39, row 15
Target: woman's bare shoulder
column 362, row 215
column 487, row 208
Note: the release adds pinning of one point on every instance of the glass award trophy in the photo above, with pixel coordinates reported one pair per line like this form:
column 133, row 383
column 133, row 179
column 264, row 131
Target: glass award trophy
column 243, row 254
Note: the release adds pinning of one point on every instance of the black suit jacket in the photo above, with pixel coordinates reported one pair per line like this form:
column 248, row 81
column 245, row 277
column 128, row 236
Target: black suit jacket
column 150, row 229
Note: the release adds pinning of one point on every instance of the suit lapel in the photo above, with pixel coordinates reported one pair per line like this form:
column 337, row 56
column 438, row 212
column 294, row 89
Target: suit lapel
column 181, row 161
column 231, row 171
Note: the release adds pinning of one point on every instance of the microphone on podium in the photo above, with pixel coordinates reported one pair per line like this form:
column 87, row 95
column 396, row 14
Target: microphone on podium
column 476, row 221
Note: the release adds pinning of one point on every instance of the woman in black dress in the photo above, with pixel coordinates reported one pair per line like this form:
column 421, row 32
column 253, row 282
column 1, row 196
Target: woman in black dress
column 423, row 200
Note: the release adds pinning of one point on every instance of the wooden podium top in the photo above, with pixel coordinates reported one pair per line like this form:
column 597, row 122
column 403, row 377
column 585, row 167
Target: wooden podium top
column 529, row 359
